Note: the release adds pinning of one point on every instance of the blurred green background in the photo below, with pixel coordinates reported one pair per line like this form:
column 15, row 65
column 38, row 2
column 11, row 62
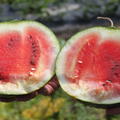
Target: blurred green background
column 64, row 17
column 59, row 106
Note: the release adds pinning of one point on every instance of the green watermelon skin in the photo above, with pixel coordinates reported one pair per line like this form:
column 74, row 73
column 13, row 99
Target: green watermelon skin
column 88, row 65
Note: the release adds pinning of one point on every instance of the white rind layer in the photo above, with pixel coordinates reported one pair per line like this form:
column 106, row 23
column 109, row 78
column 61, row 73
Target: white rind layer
column 81, row 91
column 27, row 86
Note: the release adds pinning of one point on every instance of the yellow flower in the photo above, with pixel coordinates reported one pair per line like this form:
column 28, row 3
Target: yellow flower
column 49, row 110
column 58, row 104
column 44, row 108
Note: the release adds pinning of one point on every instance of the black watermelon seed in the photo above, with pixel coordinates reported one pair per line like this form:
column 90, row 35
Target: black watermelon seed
column 11, row 39
column 9, row 44
column 2, row 77
column 117, row 74
column 32, row 62
column 104, row 84
column 108, row 81
column 30, row 36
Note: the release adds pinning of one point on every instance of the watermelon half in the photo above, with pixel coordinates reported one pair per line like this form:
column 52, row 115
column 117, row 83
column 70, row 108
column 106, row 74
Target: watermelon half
column 28, row 52
column 88, row 66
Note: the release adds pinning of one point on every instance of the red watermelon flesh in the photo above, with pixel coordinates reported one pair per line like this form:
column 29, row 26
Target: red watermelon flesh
column 27, row 57
column 92, row 68
column 20, row 55
column 9, row 54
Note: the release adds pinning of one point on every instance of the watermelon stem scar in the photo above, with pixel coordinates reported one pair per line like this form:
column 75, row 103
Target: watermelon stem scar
column 107, row 18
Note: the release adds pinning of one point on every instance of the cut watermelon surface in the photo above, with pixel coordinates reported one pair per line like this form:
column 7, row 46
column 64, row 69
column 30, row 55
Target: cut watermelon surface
column 28, row 51
column 88, row 66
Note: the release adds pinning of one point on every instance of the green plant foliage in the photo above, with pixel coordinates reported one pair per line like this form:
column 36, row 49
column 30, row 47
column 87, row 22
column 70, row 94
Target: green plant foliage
column 59, row 106
column 40, row 8
column 45, row 108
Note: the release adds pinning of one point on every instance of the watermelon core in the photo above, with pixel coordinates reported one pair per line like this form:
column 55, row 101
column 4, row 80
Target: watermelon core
column 92, row 67
column 20, row 55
